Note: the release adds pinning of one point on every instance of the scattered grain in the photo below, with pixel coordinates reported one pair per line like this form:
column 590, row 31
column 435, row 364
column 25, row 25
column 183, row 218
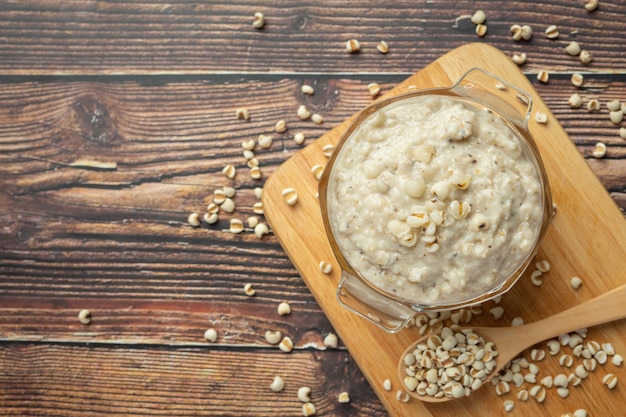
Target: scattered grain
column 252, row 221
column 601, row 357
column 616, row 116
column 261, row 230
column 547, row 381
column 277, row 384
column 541, row 117
column 479, row 17
column 554, row 347
column 535, row 278
column 387, row 384
column 610, row 380
column 303, row 112
column 290, row 195
column 581, row 372
column 402, row 396
column 228, row 205
column 265, row 141
column 382, row 47
column 280, row 126
column 481, row 30
column 304, row 394
column 563, row 392
column 194, row 219
column 543, row 265
column 353, row 46
column 566, row 360
column 537, row 355
column 257, row 208
column 242, row 113
column 608, row 348
column 317, row 171
column 259, row 20
column 210, row 218
column 575, row 101
column 211, row 335
column 374, row 89
column 543, row 76
column 599, row 150
column 552, row 32
column 248, row 145
column 527, row 32
column 249, row 290
column 308, row 409
column 538, row 393
column 516, row 32
column 84, row 316
column 502, row 387
column 325, row 267
column 590, row 364
column 284, row 308
column 585, row 57
column 576, row 282
column 236, row 226
column 522, row 395
column 230, row 171
column 573, row 48
column 497, row 312
column 299, row 138
column 617, row 360
column 328, row 150
column 517, row 321
column 286, row 345
column 581, row 412
column 307, row 89
column 331, row 340
column 593, row 105
column 317, row 119
column 508, row 405
column 255, row 173
column 273, row 337
column 344, row 398
column 519, row 59
column 591, row 5
column 577, row 79
column 613, row 105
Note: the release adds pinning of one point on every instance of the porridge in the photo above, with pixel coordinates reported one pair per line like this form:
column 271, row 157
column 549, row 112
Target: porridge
column 434, row 200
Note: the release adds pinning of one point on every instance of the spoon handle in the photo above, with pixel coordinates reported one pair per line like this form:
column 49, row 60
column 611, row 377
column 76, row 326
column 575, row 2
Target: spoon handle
column 604, row 308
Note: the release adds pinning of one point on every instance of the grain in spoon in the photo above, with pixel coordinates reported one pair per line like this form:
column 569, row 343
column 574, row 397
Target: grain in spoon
column 507, row 343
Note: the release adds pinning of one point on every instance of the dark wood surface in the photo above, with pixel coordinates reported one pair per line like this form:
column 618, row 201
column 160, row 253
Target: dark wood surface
column 153, row 88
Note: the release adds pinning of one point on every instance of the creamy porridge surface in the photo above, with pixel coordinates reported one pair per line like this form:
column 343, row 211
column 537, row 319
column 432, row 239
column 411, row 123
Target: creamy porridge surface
column 434, row 200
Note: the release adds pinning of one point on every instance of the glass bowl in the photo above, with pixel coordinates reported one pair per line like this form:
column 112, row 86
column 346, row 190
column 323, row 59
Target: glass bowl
column 389, row 309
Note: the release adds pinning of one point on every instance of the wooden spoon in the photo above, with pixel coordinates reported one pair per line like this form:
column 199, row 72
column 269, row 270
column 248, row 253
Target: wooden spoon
column 510, row 341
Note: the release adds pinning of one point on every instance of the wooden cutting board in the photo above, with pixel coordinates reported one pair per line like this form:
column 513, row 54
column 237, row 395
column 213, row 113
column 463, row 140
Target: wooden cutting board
column 587, row 239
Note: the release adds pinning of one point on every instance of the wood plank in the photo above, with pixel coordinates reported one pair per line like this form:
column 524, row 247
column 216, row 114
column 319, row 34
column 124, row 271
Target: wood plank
column 570, row 246
column 69, row 380
column 111, row 240
column 89, row 37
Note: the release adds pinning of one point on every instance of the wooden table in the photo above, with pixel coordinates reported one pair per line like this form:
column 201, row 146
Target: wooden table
column 116, row 121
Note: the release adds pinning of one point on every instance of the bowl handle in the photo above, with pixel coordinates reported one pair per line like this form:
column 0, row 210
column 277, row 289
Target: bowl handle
column 384, row 312
column 510, row 101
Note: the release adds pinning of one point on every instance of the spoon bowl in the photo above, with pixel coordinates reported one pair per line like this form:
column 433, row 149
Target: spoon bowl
column 511, row 341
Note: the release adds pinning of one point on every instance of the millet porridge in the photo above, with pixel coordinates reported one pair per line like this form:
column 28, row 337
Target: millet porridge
column 434, row 200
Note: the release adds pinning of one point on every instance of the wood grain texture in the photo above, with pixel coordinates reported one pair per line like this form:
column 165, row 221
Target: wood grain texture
column 570, row 246
column 62, row 380
column 150, row 89
column 102, row 37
